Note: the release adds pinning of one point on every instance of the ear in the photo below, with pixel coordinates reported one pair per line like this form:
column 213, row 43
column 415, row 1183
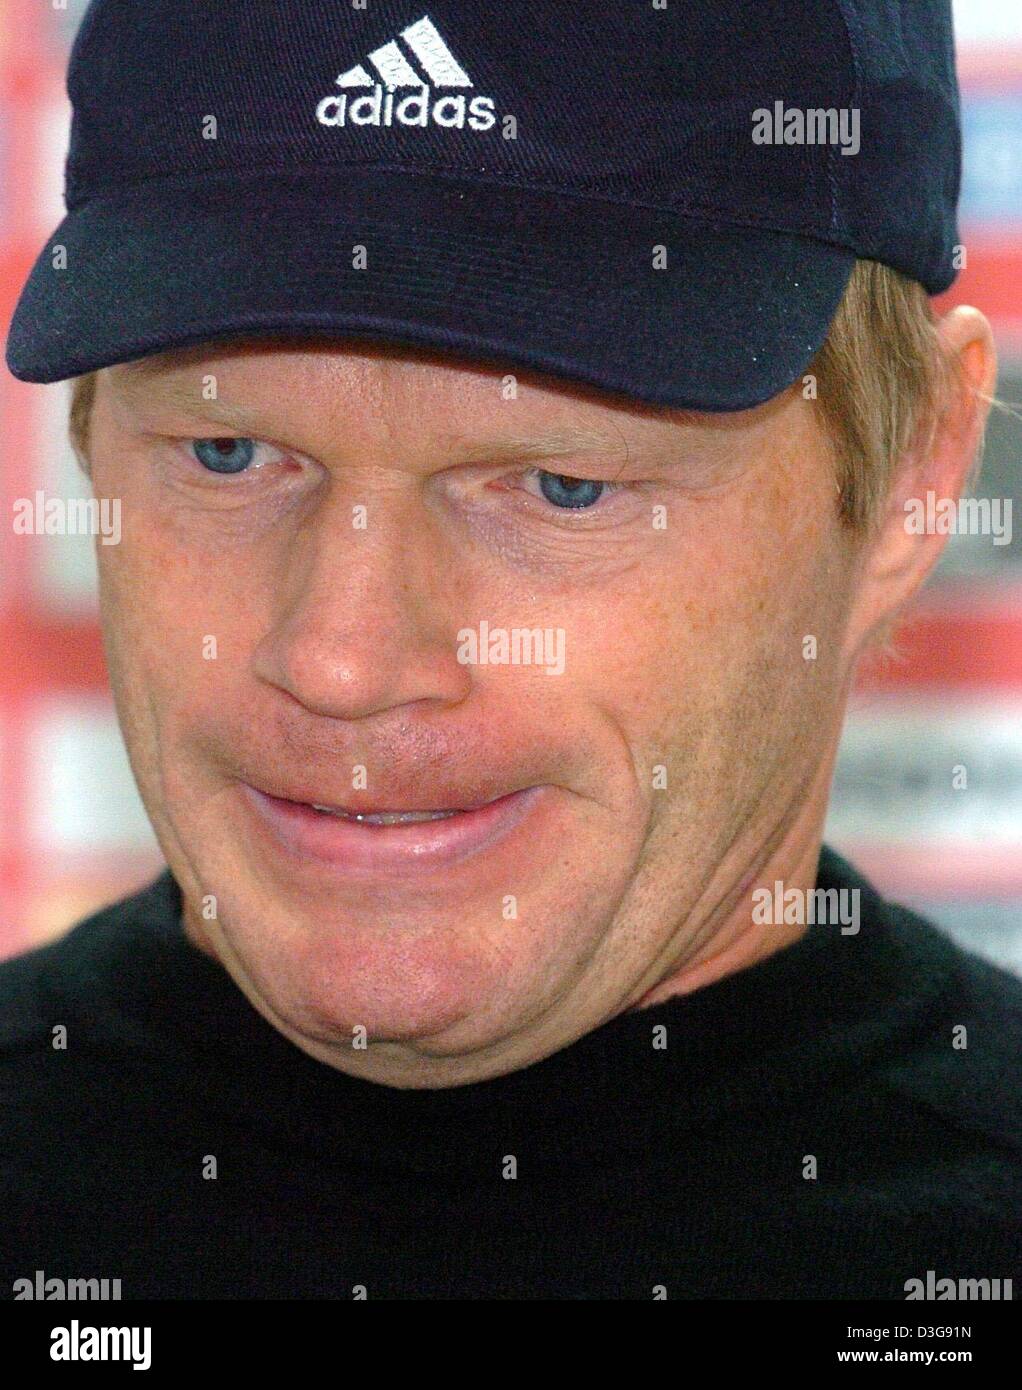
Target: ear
column 899, row 558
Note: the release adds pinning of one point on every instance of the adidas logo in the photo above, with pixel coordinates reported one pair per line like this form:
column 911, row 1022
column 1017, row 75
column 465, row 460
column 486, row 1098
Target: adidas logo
column 385, row 106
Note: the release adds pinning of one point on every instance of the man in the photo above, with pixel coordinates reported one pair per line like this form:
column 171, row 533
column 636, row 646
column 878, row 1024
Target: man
column 512, row 435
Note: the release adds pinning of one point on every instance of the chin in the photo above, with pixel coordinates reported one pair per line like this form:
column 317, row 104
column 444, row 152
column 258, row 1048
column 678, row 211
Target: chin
column 399, row 985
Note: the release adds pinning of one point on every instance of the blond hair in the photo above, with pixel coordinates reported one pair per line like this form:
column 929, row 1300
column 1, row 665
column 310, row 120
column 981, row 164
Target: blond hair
column 881, row 380
column 884, row 378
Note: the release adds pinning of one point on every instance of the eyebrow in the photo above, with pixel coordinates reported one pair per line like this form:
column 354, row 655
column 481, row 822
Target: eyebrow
column 137, row 385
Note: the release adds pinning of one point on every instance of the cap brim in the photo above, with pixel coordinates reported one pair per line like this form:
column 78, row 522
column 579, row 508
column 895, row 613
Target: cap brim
column 562, row 285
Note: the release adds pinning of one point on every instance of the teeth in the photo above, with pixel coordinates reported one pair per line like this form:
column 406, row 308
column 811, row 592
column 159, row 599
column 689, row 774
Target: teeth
column 387, row 817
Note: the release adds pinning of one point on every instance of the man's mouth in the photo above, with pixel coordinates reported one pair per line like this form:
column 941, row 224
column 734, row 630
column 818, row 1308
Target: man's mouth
column 375, row 841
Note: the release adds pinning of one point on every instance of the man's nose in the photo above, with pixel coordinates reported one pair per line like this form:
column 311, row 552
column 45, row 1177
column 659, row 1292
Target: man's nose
column 365, row 620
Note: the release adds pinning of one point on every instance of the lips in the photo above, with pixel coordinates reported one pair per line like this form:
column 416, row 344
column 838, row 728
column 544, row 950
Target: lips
column 440, row 801
column 374, row 840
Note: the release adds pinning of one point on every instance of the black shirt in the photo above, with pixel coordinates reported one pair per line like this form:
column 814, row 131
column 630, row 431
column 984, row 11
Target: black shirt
column 614, row 1168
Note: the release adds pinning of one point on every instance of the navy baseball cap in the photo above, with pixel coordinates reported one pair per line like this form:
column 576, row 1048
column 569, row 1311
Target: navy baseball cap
column 659, row 198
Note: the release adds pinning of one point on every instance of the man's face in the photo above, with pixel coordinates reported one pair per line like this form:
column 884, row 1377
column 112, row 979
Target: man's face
column 286, row 623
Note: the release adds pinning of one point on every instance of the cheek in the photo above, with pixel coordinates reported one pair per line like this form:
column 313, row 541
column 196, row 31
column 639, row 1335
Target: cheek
column 728, row 583
column 174, row 627
column 664, row 651
column 758, row 569
column 768, row 655
column 176, row 596
column 147, row 593
column 705, row 649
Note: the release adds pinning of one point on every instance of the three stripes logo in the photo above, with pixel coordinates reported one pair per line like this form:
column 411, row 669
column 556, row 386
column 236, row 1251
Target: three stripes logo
column 369, row 101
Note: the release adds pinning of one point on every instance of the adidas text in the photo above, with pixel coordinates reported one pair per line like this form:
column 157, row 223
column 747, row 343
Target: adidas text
column 380, row 108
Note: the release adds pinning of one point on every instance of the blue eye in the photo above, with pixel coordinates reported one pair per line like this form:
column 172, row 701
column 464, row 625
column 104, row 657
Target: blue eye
column 224, row 455
column 574, row 493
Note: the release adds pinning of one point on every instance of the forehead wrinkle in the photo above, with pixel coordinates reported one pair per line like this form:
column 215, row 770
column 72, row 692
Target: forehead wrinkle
column 185, row 393
column 360, row 389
